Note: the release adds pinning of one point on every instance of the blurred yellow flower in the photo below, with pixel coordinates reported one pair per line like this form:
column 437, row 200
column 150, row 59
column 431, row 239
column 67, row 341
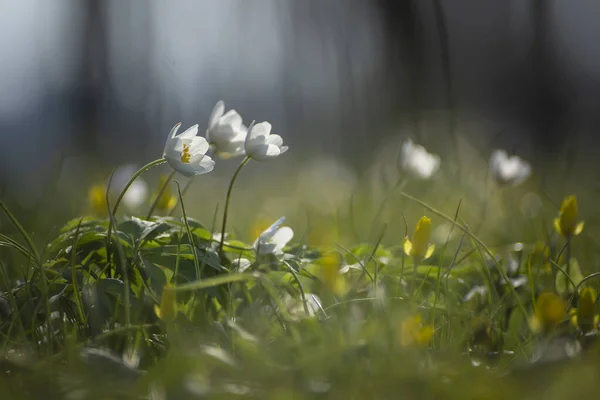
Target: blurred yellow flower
column 540, row 258
column 166, row 311
column 330, row 273
column 419, row 248
column 167, row 200
column 585, row 316
column 413, row 332
column 97, row 199
column 550, row 311
column 566, row 223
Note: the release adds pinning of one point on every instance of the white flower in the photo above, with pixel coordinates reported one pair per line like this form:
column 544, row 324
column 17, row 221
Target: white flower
column 240, row 264
column 416, row 162
column 273, row 239
column 226, row 133
column 508, row 170
column 261, row 145
column 137, row 194
column 186, row 152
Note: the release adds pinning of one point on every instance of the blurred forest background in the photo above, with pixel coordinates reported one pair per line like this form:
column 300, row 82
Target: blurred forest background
column 99, row 83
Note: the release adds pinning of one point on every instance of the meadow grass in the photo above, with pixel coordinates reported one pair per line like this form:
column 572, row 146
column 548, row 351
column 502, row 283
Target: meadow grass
column 157, row 304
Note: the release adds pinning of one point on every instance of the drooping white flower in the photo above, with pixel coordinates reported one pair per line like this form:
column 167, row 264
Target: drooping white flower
column 416, row 162
column 273, row 239
column 510, row 170
column 226, row 133
column 186, row 152
column 261, row 144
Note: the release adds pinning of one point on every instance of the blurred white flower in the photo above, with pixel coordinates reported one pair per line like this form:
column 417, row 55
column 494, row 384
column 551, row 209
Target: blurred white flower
column 261, row 145
column 415, row 161
column 295, row 305
column 186, row 152
column 240, row 264
column 226, row 133
column 137, row 194
column 508, row 170
column 273, row 239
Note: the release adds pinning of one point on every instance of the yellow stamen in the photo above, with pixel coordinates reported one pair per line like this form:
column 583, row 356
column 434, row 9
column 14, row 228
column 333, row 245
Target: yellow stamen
column 185, row 154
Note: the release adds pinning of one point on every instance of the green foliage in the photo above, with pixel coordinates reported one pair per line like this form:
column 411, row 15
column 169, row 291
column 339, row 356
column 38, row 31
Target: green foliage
column 155, row 308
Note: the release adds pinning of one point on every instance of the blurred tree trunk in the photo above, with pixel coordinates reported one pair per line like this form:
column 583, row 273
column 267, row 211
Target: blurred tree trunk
column 404, row 53
column 549, row 101
column 92, row 74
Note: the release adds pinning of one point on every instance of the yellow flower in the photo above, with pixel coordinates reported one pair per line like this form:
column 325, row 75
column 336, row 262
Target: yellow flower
column 566, row 223
column 540, row 258
column 585, row 316
column 97, row 199
column 167, row 201
column 414, row 333
column 550, row 310
column 419, row 248
column 166, row 311
column 330, row 273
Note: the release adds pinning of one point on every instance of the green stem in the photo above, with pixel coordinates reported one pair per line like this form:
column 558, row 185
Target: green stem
column 413, row 283
column 118, row 201
column 235, row 175
column 183, row 192
column 159, row 195
column 568, row 260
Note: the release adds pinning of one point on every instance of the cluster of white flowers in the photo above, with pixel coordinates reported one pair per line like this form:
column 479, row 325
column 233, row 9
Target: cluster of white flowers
column 226, row 136
column 416, row 162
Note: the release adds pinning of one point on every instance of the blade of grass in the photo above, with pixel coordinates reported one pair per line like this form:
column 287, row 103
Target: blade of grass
column 76, row 294
column 479, row 242
column 120, row 251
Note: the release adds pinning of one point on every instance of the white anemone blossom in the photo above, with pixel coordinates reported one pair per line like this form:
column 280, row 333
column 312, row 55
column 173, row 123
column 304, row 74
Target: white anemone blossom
column 226, row 133
column 273, row 239
column 416, row 162
column 261, row 144
column 510, row 170
column 186, row 152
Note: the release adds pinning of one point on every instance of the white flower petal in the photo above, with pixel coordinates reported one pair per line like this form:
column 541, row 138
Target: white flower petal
column 198, row 144
column 269, row 232
column 174, row 130
column 231, row 118
column 205, row 165
column 263, row 152
column 189, row 132
column 281, row 238
column 262, row 129
column 241, row 264
column 274, row 139
column 216, row 113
